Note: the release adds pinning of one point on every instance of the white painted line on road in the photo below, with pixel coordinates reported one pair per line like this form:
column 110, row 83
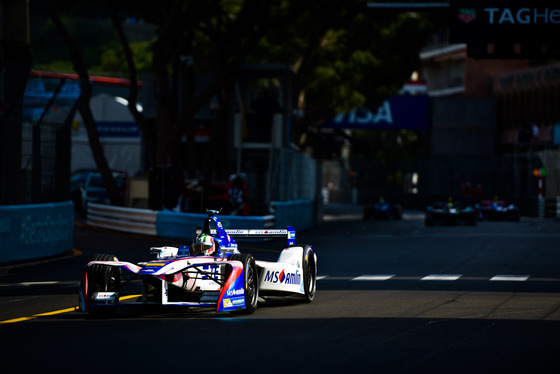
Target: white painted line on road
column 510, row 278
column 431, row 277
column 373, row 277
column 442, row 277
column 38, row 283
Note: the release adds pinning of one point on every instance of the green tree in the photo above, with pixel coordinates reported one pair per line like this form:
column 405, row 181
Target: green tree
column 347, row 57
column 217, row 36
column 342, row 54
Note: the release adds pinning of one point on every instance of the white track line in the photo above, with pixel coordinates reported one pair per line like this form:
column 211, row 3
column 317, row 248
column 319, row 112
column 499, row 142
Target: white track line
column 442, row 277
column 510, row 278
column 373, row 277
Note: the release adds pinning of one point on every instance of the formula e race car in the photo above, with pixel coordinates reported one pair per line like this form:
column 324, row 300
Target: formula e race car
column 450, row 213
column 210, row 273
column 381, row 209
column 498, row 210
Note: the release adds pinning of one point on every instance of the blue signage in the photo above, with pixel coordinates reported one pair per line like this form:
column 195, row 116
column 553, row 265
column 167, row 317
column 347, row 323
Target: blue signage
column 35, row 231
column 118, row 129
column 396, row 113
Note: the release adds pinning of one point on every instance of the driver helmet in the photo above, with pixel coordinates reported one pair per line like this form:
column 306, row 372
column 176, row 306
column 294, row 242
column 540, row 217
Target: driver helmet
column 450, row 202
column 203, row 244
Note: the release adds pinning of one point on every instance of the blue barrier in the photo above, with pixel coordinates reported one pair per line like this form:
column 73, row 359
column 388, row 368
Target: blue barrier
column 295, row 213
column 35, row 231
column 44, row 230
column 182, row 226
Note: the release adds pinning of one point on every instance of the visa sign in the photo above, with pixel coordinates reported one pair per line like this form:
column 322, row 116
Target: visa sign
column 365, row 116
column 396, row 113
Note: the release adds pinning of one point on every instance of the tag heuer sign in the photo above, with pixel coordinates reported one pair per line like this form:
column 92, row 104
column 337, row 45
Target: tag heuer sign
column 504, row 21
column 467, row 15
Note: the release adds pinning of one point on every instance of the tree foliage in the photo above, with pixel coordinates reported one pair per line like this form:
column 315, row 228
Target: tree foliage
column 343, row 56
column 83, row 104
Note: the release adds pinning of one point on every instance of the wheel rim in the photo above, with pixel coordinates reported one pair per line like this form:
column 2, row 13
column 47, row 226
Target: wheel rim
column 112, row 283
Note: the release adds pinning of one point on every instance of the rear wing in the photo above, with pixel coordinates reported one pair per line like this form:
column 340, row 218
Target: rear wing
column 289, row 232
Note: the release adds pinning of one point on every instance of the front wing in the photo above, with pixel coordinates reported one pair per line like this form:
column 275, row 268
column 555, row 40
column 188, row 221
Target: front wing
column 200, row 282
column 277, row 278
column 285, row 276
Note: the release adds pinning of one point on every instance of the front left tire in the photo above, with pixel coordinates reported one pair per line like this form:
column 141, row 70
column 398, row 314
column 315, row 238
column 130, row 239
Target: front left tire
column 250, row 282
column 102, row 278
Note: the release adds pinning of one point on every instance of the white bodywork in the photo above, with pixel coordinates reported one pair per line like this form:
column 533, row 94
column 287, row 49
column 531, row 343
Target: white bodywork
column 284, row 275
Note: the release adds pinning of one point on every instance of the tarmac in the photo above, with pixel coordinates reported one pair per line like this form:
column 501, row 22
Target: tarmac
column 342, row 211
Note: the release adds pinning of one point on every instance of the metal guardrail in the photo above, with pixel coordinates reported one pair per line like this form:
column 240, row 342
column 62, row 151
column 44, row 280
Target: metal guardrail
column 139, row 221
column 145, row 221
column 269, row 221
column 175, row 225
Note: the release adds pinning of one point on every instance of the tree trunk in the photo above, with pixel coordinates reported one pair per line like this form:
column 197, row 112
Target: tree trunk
column 85, row 110
column 147, row 132
column 168, row 163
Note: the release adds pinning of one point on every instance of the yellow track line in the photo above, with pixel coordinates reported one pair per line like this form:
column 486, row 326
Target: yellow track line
column 55, row 312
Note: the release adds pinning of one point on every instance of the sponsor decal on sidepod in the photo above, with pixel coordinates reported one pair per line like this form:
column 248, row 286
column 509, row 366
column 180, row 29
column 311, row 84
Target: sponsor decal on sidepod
column 282, row 277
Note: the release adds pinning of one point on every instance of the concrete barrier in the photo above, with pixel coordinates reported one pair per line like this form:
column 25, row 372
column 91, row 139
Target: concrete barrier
column 44, row 230
column 295, row 213
column 35, row 231
column 165, row 224
column 139, row 221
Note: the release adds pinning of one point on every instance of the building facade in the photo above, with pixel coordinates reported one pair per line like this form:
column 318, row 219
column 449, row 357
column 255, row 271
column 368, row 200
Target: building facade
column 493, row 122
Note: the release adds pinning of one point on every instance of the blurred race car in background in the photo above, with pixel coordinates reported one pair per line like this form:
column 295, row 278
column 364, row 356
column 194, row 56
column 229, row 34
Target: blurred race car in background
column 498, row 210
column 215, row 276
column 381, row 209
column 451, row 213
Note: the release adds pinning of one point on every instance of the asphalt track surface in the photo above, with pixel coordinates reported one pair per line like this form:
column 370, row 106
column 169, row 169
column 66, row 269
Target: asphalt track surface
column 393, row 297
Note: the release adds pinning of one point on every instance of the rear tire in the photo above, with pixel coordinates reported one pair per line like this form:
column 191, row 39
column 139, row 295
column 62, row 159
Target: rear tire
column 309, row 273
column 251, row 282
column 103, row 278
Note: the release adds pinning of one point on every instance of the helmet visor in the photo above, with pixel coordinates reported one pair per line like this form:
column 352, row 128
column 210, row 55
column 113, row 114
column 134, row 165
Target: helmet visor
column 201, row 248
